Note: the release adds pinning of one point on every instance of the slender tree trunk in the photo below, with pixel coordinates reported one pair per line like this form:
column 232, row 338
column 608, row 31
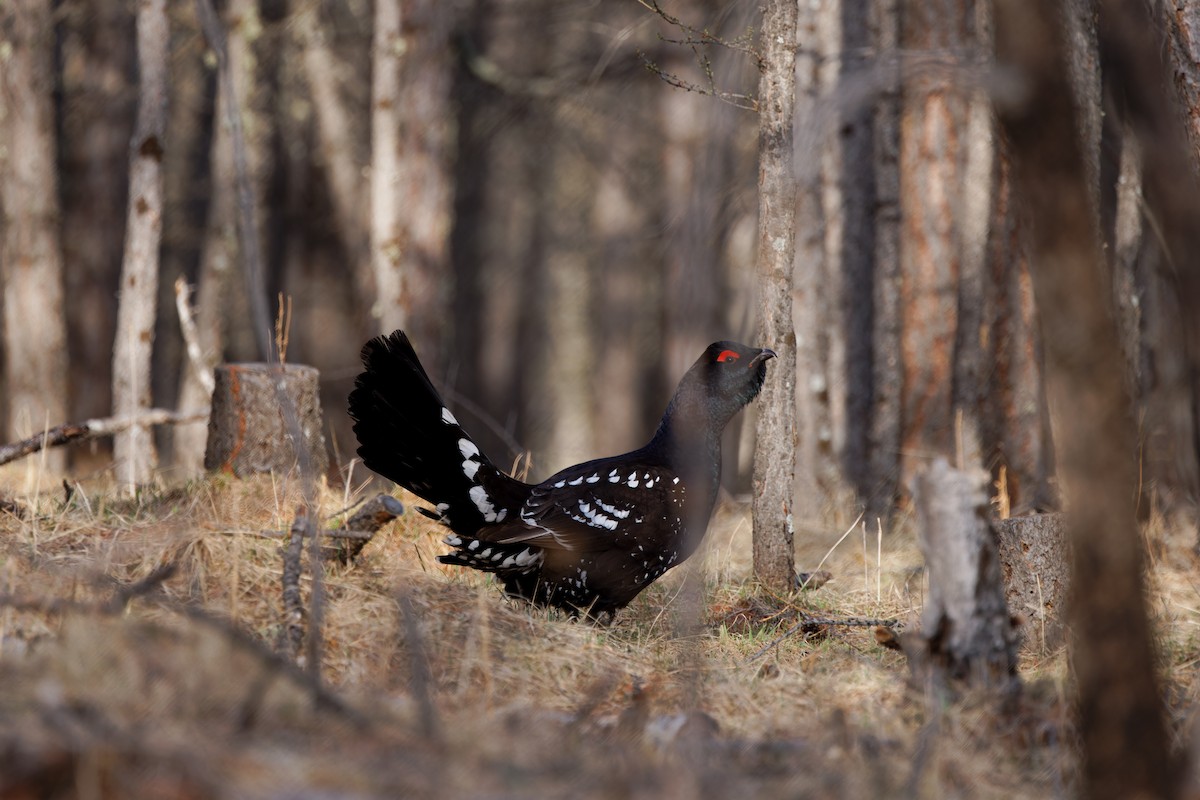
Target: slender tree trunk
column 878, row 477
column 1125, row 745
column 220, row 252
column 387, row 204
column 774, row 458
column 818, row 284
column 134, row 448
column 97, row 110
column 35, row 356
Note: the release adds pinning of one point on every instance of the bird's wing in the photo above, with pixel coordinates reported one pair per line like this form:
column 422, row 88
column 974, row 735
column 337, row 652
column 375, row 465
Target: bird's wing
column 598, row 506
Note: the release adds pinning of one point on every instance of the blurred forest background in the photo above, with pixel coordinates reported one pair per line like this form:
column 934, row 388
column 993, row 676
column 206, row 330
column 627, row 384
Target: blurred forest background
column 558, row 199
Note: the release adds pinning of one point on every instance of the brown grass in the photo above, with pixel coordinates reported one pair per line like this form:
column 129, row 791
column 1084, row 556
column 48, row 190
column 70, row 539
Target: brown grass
column 178, row 693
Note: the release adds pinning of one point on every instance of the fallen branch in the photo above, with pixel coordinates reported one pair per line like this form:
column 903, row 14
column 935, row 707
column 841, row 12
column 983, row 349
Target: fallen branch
column 359, row 529
column 809, row 624
column 94, row 429
column 293, row 604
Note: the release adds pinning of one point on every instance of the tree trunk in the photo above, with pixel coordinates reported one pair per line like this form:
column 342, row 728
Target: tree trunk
column 248, row 431
column 387, row 203
column 966, row 633
column 134, row 449
column 818, row 283
column 220, row 253
column 934, row 147
column 1125, row 746
column 35, row 363
column 877, row 474
column 422, row 188
column 775, row 448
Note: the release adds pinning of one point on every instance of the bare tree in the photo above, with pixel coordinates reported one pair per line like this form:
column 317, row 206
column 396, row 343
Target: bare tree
column 134, row 448
column 387, row 222
column 219, row 254
column 1125, row 744
column 774, row 458
column 35, row 363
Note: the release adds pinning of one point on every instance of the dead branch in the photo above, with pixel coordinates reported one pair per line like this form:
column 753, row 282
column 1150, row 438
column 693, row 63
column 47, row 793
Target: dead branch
column 191, row 337
column 809, row 624
column 697, row 40
column 94, row 429
column 361, row 527
column 293, row 604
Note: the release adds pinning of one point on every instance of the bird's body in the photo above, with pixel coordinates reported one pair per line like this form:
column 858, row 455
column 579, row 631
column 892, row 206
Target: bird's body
column 588, row 538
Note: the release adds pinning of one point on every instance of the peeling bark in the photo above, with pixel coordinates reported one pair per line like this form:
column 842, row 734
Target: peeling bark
column 134, row 449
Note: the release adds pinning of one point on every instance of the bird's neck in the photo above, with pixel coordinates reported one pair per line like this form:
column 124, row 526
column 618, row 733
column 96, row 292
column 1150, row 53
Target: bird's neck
column 689, row 436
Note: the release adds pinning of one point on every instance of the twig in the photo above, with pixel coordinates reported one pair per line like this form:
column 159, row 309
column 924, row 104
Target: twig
column 293, row 605
column 421, row 679
column 191, row 337
column 93, row 429
column 145, row 586
column 322, row 697
column 812, row 624
column 829, row 552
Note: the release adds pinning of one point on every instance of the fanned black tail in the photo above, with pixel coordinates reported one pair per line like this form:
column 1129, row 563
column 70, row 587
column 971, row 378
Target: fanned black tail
column 406, row 433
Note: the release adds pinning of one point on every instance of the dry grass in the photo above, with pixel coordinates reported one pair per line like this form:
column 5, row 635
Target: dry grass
column 178, row 692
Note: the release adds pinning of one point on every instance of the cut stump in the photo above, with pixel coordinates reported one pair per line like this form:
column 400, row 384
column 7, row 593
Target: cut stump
column 249, row 431
column 1036, row 560
column 966, row 635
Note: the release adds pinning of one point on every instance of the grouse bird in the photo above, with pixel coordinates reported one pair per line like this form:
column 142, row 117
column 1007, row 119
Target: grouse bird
column 587, row 539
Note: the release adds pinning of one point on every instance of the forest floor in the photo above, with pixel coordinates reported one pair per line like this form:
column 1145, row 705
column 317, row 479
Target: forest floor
column 431, row 684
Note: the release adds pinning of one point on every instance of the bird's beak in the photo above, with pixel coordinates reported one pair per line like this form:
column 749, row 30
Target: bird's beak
column 762, row 356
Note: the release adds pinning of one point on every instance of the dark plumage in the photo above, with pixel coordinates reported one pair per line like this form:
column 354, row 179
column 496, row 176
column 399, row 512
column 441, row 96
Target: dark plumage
column 588, row 538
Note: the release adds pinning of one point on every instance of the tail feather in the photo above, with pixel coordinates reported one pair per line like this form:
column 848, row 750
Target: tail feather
column 407, row 434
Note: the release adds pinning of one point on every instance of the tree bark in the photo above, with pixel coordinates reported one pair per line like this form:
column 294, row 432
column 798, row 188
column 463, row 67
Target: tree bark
column 35, row 357
column 387, row 203
column 775, row 446
column 134, row 449
column 220, row 252
column 1125, row 746
column 817, row 273
column 423, row 184
column 933, row 158
column 248, row 431
column 966, row 633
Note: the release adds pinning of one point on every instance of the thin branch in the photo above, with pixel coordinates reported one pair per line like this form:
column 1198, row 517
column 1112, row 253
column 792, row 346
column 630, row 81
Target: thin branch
column 293, row 604
column 191, row 337
column 94, row 429
column 695, row 39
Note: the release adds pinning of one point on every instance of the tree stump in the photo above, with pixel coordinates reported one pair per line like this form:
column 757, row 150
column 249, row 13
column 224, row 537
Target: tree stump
column 966, row 632
column 249, row 431
column 1036, row 561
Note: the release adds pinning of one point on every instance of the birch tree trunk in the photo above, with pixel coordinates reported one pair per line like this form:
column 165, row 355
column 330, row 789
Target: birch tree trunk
column 133, row 449
column 35, row 356
column 386, row 231
column 775, row 447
